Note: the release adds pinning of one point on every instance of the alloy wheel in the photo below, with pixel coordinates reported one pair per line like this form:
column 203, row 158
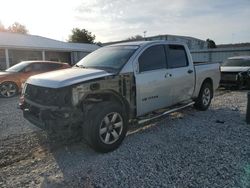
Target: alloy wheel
column 111, row 128
column 206, row 96
column 8, row 89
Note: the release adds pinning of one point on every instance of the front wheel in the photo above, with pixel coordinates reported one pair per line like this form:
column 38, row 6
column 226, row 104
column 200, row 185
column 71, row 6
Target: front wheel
column 8, row 89
column 106, row 126
column 205, row 96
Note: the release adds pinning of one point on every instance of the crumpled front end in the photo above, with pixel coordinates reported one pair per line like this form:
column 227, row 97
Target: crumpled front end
column 49, row 108
column 237, row 79
column 57, row 108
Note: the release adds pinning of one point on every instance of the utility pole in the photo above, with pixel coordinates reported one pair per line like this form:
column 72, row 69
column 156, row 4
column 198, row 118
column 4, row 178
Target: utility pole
column 144, row 34
column 233, row 35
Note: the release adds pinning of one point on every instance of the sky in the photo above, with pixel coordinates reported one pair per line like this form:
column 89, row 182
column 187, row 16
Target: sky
column 224, row 21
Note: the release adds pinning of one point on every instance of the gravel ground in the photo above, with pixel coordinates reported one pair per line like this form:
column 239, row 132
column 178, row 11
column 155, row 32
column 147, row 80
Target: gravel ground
column 185, row 149
column 11, row 120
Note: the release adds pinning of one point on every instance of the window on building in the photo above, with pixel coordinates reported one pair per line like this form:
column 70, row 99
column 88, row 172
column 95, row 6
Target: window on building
column 176, row 56
column 16, row 56
column 58, row 56
column 152, row 58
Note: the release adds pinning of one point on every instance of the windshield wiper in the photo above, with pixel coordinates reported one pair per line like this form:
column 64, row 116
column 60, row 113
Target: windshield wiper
column 107, row 69
column 81, row 66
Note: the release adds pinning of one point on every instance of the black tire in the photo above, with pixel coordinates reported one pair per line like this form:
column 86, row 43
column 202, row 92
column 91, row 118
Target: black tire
column 205, row 96
column 8, row 89
column 99, row 120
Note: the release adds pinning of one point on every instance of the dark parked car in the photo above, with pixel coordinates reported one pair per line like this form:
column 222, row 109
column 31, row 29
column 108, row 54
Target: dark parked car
column 235, row 71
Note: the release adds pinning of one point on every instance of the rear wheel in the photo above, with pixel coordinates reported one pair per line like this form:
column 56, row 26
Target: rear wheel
column 205, row 96
column 8, row 89
column 106, row 126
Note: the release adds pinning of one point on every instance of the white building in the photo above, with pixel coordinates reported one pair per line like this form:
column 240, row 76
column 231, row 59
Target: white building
column 15, row 48
column 219, row 54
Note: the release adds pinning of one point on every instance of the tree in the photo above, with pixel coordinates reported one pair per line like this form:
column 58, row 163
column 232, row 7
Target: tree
column 2, row 27
column 81, row 36
column 17, row 28
column 136, row 37
column 211, row 44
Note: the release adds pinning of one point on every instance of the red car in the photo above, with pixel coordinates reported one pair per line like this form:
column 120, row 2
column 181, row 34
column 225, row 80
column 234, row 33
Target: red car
column 12, row 78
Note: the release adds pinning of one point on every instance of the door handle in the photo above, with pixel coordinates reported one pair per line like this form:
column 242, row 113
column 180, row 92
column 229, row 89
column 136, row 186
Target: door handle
column 190, row 71
column 168, row 75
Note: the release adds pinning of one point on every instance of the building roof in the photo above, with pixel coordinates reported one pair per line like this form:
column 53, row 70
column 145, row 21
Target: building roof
column 220, row 49
column 26, row 41
column 236, row 45
column 240, row 57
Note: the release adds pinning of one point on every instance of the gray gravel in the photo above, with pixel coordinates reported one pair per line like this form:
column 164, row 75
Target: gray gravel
column 186, row 149
column 11, row 121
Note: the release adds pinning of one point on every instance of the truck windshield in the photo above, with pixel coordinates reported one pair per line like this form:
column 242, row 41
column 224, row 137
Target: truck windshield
column 111, row 58
column 237, row 63
column 18, row 67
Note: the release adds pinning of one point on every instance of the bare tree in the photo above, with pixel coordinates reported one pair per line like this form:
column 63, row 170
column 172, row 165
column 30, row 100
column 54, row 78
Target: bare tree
column 2, row 27
column 17, row 28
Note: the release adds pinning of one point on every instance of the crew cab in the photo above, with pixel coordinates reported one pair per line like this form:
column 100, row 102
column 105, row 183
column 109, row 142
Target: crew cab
column 116, row 85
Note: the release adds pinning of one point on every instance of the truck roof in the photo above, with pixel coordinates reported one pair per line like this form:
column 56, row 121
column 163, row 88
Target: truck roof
column 136, row 43
column 142, row 43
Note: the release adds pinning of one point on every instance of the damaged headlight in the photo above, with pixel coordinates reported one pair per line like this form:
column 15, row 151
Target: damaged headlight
column 23, row 87
column 78, row 93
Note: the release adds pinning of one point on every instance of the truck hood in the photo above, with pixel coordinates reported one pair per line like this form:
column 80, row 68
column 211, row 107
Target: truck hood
column 234, row 69
column 66, row 77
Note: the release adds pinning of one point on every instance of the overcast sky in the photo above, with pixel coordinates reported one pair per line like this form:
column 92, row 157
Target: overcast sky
column 224, row 21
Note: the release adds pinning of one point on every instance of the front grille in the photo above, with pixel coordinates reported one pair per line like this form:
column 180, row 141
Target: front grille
column 48, row 96
column 35, row 111
column 229, row 76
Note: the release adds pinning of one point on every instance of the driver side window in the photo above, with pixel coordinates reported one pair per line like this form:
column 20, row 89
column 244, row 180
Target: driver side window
column 152, row 58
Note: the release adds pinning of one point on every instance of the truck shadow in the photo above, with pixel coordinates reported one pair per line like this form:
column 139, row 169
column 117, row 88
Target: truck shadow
column 80, row 166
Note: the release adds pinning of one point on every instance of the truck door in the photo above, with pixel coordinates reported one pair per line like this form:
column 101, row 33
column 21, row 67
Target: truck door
column 182, row 72
column 153, row 89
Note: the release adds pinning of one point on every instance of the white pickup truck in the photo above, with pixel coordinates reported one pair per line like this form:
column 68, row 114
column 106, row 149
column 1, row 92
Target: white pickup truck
column 116, row 85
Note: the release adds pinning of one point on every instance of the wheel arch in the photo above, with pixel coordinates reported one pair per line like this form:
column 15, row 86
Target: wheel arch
column 11, row 81
column 109, row 95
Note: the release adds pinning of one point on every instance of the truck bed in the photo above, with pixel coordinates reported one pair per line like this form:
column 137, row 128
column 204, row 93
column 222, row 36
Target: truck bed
column 203, row 71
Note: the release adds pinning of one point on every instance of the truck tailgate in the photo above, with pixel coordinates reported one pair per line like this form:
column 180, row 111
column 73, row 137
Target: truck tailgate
column 206, row 70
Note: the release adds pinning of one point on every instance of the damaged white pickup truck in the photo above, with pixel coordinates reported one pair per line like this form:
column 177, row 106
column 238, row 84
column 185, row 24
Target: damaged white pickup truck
column 116, row 85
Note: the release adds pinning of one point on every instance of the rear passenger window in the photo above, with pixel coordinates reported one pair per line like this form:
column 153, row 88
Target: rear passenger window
column 176, row 56
column 152, row 58
column 37, row 67
column 52, row 66
column 45, row 66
